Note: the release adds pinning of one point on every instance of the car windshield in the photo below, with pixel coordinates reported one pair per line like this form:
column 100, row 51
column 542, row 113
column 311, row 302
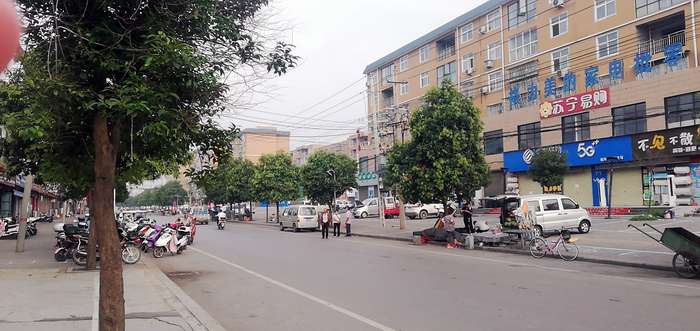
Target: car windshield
column 307, row 211
column 366, row 202
column 359, row 204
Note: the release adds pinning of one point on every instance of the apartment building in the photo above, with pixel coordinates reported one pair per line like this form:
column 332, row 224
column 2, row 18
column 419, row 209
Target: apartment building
column 300, row 155
column 255, row 142
column 613, row 83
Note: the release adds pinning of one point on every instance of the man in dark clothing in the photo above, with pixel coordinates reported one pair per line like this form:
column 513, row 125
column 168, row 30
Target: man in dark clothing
column 467, row 213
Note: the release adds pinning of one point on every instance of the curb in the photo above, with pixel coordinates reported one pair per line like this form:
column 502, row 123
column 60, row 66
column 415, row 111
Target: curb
column 195, row 309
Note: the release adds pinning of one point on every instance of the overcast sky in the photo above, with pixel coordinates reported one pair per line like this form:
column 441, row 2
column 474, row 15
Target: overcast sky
column 337, row 40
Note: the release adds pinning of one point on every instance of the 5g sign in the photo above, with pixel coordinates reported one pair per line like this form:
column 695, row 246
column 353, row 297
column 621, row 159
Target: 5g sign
column 367, row 179
column 586, row 151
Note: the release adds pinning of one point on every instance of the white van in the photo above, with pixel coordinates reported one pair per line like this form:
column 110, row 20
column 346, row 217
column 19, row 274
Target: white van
column 552, row 212
column 299, row 217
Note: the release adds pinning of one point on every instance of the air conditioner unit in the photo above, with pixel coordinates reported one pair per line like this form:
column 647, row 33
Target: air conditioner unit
column 522, row 8
column 488, row 63
column 562, row 72
column 469, row 71
column 558, row 3
column 485, row 90
column 482, row 29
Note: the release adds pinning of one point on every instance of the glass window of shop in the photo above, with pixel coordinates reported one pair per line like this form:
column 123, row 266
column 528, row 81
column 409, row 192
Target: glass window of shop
column 529, row 135
column 493, row 142
column 682, row 110
column 629, row 119
column 575, row 128
column 5, row 204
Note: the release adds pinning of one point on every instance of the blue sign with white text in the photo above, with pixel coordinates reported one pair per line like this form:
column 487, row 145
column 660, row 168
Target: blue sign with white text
column 583, row 153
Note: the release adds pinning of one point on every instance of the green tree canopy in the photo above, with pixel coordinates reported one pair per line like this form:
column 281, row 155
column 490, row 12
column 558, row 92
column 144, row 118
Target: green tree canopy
column 548, row 167
column 230, row 182
column 160, row 196
column 276, row 178
column 444, row 157
column 318, row 184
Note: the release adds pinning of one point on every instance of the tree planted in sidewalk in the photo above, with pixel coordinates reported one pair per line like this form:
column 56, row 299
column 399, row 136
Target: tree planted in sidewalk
column 110, row 92
column 444, row 156
column 548, row 167
column 231, row 181
column 276, row 179
column 317, row 176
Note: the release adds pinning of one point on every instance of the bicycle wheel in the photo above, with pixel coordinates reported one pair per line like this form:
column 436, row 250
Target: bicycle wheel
column 567, row 251
column 538, row 248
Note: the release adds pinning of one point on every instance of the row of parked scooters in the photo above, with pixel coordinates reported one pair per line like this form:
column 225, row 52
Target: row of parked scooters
column 134, row 237
column 10, row 226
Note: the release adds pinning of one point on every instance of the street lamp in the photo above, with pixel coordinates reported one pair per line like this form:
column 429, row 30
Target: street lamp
column 504, row 170
column 332, row 174
column 177, row 203
column 612, row 160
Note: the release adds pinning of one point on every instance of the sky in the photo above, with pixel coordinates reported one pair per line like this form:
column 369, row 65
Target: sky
column 322, row 101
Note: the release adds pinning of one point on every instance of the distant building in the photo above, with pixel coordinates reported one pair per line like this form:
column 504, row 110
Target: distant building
column 300, row 155
column 255, row 142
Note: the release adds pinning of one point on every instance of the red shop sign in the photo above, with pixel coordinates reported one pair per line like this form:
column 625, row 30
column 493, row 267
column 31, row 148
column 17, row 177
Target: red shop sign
column 575, row 103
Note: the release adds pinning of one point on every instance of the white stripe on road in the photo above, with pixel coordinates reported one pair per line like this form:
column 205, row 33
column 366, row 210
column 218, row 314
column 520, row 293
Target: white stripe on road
column 626, row 250
column 96, row 305
column 299, row 292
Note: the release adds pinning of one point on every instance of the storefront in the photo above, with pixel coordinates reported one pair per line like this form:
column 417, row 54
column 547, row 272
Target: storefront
column 587, row 179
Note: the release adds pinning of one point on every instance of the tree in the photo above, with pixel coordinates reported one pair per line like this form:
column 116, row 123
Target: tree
column 276, row 179
column 160, row 196
column 232, row 181
column 318, row 184
column 109, row 92
column 548, row 167
column 444, row 156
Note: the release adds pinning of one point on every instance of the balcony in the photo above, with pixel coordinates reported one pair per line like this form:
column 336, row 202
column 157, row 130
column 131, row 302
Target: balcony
column 446, row 53
column 388, row 102
column 658, row 68
column 655, row 46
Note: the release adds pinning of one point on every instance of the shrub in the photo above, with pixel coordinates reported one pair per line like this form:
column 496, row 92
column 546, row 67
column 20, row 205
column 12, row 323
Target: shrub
column 644, row 218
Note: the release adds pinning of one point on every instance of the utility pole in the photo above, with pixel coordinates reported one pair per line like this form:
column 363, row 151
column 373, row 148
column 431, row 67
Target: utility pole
column 23, row 213
column 612, row 160
column 402, row 212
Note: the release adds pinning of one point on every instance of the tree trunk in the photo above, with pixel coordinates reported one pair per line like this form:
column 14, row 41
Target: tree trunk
column 111, row 310
column 92, row 240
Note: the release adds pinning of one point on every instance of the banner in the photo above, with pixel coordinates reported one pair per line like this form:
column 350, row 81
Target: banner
column 666, row 143
column 575, row 103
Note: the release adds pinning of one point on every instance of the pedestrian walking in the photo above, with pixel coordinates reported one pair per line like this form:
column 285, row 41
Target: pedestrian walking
column 325, row 221
column 449, row 226
column 348, row 221
column 467, row 213
column 336, row 224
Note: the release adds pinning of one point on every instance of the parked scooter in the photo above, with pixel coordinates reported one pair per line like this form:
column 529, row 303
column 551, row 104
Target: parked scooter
column 172, row 240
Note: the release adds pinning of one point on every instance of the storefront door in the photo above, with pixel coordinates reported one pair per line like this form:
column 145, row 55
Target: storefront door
column 5, row 204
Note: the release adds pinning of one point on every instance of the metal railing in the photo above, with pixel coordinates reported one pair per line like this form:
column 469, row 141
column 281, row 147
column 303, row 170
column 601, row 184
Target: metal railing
column 655, row 46
column 663, row 68
column 445, row 53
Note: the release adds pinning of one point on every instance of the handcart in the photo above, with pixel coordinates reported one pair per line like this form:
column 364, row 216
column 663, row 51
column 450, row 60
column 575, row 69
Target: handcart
column 686, row 262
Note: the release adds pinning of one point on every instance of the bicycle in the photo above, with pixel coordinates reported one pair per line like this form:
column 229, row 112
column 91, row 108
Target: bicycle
column 565, row 246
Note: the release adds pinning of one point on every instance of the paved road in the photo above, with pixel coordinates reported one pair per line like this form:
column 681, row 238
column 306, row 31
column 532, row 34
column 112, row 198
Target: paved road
column 258, row 278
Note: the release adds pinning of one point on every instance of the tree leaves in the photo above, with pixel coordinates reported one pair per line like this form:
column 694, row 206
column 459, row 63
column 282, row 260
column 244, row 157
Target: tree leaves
column 318, row 184
column 548, row 167
column 276, row 178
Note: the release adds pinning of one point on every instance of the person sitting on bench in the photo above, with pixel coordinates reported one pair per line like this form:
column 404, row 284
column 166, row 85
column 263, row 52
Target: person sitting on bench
column 482, row 226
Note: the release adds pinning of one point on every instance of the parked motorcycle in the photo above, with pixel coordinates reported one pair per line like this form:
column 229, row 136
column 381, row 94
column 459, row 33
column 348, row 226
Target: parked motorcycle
column 172, row 240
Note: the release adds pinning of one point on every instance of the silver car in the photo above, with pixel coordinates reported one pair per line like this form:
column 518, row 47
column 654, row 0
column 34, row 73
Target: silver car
column 554, row 212
column 299, row 217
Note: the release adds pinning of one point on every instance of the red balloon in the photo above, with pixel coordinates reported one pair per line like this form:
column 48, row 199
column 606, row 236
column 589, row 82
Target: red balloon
column 10, row 30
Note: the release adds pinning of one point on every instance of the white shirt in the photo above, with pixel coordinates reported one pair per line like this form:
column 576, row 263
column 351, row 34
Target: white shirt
column 325, row 218
column 481, row 225
column 336, row 218
column 348, row 217
column 221, row 214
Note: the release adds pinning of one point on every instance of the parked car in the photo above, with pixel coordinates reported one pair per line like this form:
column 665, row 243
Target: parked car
column 369, row 207
column 299, row 217
column 423, row 210
column 552, row 212
column 342, row 204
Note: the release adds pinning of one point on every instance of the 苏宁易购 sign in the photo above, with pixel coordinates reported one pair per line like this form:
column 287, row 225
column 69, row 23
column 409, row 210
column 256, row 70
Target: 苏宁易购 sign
column 575, row 103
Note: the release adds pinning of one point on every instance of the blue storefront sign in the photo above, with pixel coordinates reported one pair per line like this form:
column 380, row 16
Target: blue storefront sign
column 583, row 153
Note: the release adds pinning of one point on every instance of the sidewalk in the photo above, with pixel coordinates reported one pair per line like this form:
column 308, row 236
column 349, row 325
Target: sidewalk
column 609, row 242
column 39, row 293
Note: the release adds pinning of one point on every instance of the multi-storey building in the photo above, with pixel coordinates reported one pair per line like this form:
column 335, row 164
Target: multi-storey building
column 254, row 142
column 300, row 155
column 615, row 83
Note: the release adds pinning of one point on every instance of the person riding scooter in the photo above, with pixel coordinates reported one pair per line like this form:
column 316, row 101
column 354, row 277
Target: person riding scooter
column 221, row 220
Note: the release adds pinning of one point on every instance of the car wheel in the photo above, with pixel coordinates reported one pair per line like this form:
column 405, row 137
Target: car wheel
column 423, row 214
column 584, row 227
column 538, row 231
column 281, row 227
column 295, row 228
column 364, row 214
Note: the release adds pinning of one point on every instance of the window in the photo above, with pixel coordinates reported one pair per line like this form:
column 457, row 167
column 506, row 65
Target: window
column 529, row 135
column 372, row 78
column 495, row 109
column 629, row 119
column 493, row 142
column 682, row 110
column 424, row 79
column 550, row 204
column 559, row 25
column 568, row 203
column 560, row 60
column 495, row 81
column 364, row 164
column 403, row 63
column 404, row 88
column 534, row 204
column 493, row 20
column 467, row 88
column 467, row 32
column 607, row 45
column 388, row 74
column 448, row 70
column 645, row 7
column 468, row 62
column 494, row 50
column 424, row 53
column 575, row 128
column 604, row 9
column 374, row 100
column 515, row 19
column 522, row 45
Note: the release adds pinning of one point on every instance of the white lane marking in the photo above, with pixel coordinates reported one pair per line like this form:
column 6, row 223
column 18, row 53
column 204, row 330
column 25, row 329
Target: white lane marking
column 626, row 250
column 96, row 305
column 626, row 253
column 302, row 293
